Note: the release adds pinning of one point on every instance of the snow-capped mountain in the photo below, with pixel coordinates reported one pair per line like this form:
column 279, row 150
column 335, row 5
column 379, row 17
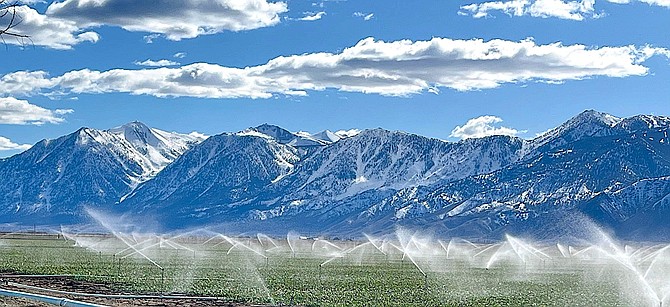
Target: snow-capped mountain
column 382, row 161
column 151, row 148
column 298, row 140
column 338, row 179
column 612, row 171
column 224, row 171
column 594, row 168
column 87, row 167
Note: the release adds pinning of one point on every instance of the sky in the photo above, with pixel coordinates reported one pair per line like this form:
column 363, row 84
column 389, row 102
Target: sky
column 442, row 69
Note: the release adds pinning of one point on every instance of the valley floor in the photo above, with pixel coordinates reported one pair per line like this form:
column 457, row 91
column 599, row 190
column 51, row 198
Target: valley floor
column 297, row 271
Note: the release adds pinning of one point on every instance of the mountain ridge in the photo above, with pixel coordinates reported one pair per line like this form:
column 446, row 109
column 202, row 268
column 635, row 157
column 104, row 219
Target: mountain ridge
column 268, row 179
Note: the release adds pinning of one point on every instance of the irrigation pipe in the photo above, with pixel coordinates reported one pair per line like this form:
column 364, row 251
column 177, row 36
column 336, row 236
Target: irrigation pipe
column 53, row 276
column 47, row 299
column 117, row 296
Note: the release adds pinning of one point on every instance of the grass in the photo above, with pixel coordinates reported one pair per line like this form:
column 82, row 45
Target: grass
column 364, row 279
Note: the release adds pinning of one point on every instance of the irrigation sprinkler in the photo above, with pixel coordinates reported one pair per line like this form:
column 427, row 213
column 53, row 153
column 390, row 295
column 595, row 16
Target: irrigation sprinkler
column 261, row 237
column 371, row 240
column 162, row 280
column 118, row 268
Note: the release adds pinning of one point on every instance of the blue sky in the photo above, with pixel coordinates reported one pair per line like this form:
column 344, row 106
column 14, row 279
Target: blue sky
column 424, row 67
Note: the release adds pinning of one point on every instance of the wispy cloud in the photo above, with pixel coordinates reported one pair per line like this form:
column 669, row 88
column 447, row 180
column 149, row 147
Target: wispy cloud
column 573, row 10
column 7, row 145
column 482, row 126
column 311, row 16
column 365, row 16
column 396, row 68
column 562, row 9
column 149, row 39
column 158, row 63
column 179, row 55
column 20, row 112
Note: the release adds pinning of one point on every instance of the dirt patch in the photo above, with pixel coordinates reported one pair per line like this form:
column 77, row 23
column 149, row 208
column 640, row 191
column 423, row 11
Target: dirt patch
column 69, row 284
column 20, row 302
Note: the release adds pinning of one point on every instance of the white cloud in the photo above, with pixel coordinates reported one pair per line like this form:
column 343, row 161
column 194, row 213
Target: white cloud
column 149, row 39
column 159, row 63
column 312, row 16
column 482, row 127
column 198, row 135
column 7, row 144
column 175, row 20
column 25, row 82
column 31, row 1
column 66, row 22
column 563, row 9
column 365, row 16
column 20, row 112
column 573, row 10
column 179, row 55
column 663, row 3
column 388, row 68
column 48, row 31
column 348, row 133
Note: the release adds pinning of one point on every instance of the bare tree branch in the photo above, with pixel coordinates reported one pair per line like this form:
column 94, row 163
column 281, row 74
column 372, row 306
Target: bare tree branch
column 9, row 19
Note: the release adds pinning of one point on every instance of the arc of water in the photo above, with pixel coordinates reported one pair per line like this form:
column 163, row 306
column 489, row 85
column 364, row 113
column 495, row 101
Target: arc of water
column 657, row 253
column 564, row 252
column 486, row 249
column 231, row 249
column 210, row 239
column 267, row 238
column 237, row 243
column 652, row 255
column 446, row 248
column 176, row 245
column 290, row 245
column 634, row 270
column 371, row 240
column 327, row 243
column 582, row 251
column 344, row 253
column 643, row 252
column 572, row 250
column 141, row 250
column 138, row 252
column 130, row 247
column 468, row 242
column 516, row 243
column 159, row 243
column 119, row 235
column 133, row 236
column 217, row 236
column 494, row 257
column 412, row 258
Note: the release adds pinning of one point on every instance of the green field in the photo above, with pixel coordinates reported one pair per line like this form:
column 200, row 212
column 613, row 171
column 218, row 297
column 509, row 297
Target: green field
column 300, row 271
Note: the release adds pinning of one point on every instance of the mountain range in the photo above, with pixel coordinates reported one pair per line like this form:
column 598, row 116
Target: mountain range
column 595, row 169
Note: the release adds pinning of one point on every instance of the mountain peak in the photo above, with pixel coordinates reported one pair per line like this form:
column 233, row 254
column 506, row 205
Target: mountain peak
column 594, row 116
column 283, row 136
column 640, row 122
column 585, row 124
column 326, row 136
column 278, row 133
column 137, row 133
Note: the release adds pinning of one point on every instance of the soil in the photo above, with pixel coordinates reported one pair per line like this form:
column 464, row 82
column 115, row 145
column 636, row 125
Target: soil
column 72, row 285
